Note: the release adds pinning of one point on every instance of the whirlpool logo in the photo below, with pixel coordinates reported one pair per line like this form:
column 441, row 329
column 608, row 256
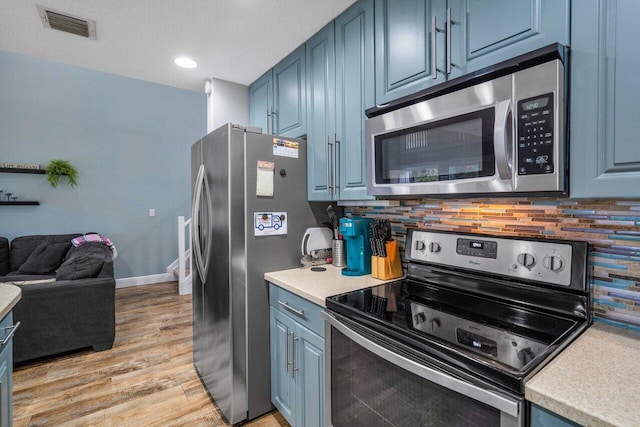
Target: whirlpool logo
column 472, row 262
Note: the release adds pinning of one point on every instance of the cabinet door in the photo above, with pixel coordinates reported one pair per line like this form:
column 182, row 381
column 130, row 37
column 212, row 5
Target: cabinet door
column 605, row 158
column 289, row 107
column 355, row 92
column 489, row 31
column 282, row 384
column 543, row 418
column 261, row 102
column 309, row 377
column 321, row 126
column 404, row 45
column 6, row 370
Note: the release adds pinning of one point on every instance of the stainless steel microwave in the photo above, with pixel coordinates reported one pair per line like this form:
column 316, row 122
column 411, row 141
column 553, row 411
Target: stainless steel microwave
column 502, row 136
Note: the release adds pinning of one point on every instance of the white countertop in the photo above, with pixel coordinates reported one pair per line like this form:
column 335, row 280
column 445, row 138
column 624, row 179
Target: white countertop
column 9, row 297
column 595, row 381
column 317, row 286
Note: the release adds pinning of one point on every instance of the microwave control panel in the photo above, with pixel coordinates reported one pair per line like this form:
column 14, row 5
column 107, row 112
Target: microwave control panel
column 535, row 135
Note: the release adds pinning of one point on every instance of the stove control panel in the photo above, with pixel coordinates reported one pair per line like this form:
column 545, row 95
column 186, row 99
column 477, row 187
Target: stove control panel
column 548, row 262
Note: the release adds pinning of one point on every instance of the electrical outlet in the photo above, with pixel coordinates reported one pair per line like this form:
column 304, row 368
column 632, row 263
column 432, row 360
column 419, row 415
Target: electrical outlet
column 152, row 212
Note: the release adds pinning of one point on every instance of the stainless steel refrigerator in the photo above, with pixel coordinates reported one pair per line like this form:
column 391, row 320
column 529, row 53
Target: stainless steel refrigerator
column 233, row 171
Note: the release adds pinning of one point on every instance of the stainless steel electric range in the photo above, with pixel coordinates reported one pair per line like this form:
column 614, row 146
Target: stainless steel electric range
column 454, row 343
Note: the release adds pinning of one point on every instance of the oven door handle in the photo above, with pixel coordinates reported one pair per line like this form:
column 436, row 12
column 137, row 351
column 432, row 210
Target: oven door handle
column 502, row 140
column 502, row 403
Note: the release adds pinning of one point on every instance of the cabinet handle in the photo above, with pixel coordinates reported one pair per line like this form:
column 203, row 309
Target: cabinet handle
column 288, row 307
column 336, row 186
column 434, row 56
column 287, row 363
column 12, row 330
column 273, row 126
column 293, row 356
column 268, row 118
column 448, row 35
column 330, row 183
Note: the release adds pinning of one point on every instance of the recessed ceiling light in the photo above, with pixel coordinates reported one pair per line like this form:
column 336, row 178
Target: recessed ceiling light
column 185, row 62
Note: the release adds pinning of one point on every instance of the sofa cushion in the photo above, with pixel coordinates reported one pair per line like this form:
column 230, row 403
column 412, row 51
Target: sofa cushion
column 45, row 258
column 4, row 256
column 84, row 261
column 21, row 247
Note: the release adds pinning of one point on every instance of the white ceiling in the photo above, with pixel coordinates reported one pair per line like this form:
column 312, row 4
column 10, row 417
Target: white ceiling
column 235, row 40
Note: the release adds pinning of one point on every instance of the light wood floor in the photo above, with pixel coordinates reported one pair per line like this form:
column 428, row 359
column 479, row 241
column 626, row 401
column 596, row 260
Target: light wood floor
column 146, row 379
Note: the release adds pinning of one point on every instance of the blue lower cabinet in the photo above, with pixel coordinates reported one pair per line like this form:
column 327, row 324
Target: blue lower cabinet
column 309, row 373
column 542, row 418
column 297, row 358
column 6, row 371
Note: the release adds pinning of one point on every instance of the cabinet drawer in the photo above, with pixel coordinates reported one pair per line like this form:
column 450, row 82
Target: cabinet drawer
column 302, row 311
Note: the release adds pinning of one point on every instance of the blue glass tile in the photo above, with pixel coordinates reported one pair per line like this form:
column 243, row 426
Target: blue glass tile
column 609, row 303
column 578, row 212
column 548, row 232
column 430, row 206
column 547, row 203
column 607, row 265
column 603, row 284
column 625, row 282
column 622, row 237
column 634, row 328
column 610, row 256
column 431, row 218
column 634, row 259
column 610, row 322
column 624, row 218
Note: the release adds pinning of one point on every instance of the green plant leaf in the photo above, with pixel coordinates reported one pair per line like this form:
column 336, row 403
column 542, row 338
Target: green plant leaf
column 56, row 168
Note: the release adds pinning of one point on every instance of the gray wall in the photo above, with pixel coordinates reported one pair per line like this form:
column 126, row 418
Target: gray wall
column 230, row 103
column 129, row 140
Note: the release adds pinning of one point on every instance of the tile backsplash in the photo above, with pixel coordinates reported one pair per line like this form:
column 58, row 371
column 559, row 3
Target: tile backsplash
column 612, row 227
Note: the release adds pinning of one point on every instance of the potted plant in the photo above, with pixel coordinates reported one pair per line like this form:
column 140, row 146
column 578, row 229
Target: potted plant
column 57, row 168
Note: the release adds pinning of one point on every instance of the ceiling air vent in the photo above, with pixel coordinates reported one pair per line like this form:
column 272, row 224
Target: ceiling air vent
column 68, row 23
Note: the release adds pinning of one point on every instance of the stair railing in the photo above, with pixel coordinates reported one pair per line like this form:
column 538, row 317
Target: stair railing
column 184, row 256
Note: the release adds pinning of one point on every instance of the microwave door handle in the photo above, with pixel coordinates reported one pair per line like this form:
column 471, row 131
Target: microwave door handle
column 502, row 139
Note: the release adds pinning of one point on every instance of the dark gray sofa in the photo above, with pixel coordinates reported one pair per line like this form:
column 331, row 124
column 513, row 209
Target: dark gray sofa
column 75, row 311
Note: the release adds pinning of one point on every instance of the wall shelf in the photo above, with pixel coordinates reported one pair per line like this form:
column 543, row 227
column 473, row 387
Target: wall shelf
column 20, row 170
column 19, row 203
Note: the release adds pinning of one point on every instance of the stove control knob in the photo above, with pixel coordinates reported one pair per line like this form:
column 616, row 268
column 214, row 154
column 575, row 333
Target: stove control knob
column 419, row 318
column 553, row 263
column 434, row 247
column 435, row 323
column 526, row 355
column 526, row 260
column 420, row 245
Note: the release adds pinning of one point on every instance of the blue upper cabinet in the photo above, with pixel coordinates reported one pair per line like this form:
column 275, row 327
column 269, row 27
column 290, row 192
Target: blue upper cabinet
column 355, row 92
column 407, row 48
column 605, row 154
column 340, row 86
column 261, row 102
column 483, row 33
column 289, row 105
column 321, row 130
column 277, row 99
column 420, row 43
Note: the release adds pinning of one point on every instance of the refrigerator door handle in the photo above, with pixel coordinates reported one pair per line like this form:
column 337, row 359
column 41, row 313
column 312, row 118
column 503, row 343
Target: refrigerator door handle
column 197, row 203
column 207, row 254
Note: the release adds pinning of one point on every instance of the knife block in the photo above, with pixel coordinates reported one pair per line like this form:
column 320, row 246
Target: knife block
column 388, row 267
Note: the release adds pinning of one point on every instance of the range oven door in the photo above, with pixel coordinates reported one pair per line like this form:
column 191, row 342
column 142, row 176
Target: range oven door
column 372, row 380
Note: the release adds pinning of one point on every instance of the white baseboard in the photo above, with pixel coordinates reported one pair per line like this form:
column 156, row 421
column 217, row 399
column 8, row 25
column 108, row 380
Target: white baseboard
column 144, row 280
